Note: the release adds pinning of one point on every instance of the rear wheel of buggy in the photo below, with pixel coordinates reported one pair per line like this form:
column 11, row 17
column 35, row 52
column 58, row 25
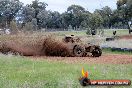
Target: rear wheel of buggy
column 97, row 52
column 78, row 51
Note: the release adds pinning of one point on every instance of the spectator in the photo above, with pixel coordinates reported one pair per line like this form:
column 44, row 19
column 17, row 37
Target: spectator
column 114, row 33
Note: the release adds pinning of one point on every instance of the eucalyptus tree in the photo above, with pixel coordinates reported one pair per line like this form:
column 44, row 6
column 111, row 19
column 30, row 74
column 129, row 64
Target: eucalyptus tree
column 8, row 10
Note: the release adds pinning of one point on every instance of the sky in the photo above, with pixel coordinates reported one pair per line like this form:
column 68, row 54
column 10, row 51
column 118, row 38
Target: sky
column 62, row 5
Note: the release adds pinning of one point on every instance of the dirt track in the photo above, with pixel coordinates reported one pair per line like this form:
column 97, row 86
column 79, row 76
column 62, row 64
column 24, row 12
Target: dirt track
column 126, row 37
column 105, row 59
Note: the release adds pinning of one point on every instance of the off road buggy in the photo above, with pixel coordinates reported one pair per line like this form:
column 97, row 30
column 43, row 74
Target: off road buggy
column 79, row 49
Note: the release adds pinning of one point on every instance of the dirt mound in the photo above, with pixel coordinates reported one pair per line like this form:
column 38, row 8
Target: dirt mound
column 53, row 47
column 46, row 45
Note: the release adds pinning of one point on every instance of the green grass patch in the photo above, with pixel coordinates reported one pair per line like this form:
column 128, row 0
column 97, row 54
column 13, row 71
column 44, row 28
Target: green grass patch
column 109, row 50
column 107, row 32
column 121, row 32
column 20, row 72
column 76, row 33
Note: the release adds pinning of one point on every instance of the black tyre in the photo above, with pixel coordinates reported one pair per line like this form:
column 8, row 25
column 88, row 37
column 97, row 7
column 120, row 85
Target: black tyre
column 78, row 51
column 96, row 52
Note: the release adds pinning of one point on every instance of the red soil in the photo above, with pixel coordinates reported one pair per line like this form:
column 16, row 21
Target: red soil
column 126, row 37
column 104, row 59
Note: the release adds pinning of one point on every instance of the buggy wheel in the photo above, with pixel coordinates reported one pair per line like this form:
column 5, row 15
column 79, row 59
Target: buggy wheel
column 78, row 51
column 96, row 52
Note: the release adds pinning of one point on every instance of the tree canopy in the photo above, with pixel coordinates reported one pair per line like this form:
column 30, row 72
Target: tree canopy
column 76, row 16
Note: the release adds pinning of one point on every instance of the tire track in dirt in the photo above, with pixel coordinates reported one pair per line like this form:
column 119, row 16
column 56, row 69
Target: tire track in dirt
column 104, row 59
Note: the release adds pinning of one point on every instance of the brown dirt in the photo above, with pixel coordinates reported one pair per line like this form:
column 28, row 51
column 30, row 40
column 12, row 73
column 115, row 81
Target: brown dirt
column 126, row 37
column 104, row 59
column 46, row 46
column 49, row 46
